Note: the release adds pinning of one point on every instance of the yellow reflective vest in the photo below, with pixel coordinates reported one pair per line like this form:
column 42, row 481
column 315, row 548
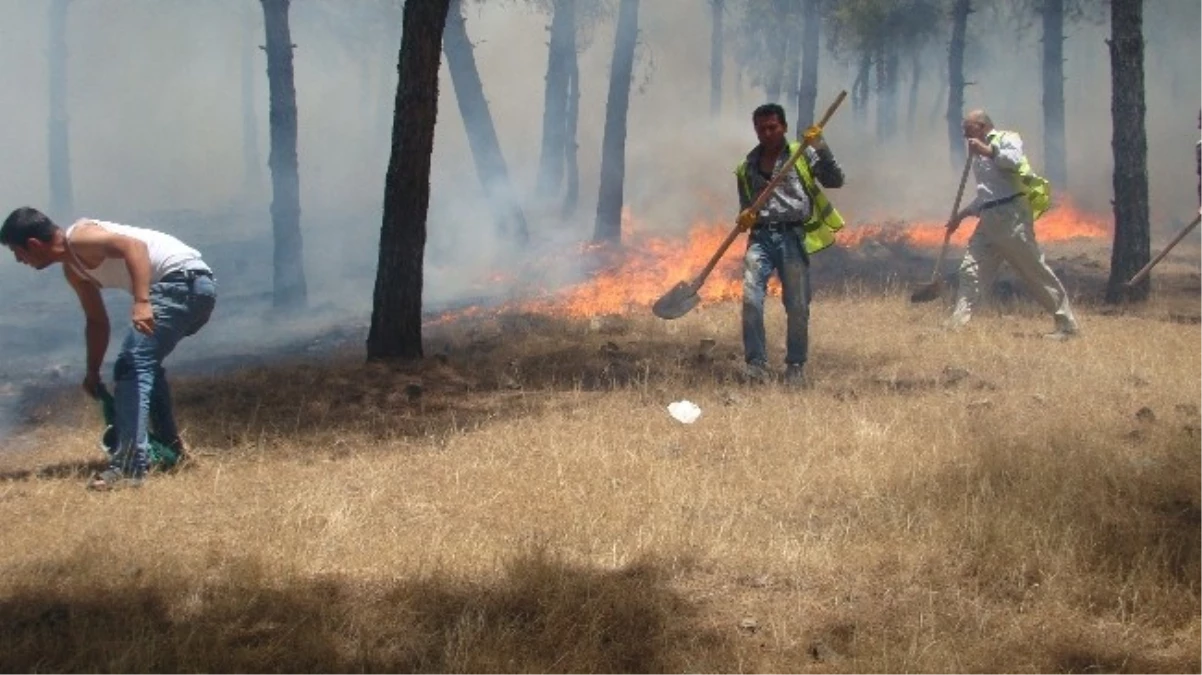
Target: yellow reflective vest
column 824, row 220
column 1036, row 188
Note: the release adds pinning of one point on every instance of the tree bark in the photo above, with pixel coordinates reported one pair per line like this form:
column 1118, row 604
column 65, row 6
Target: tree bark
column 860, row 88
column 955, row 81
column 915, row 80
column 608, row 226
column 1131, row 249
column 481, row 133
column 396, row 317
column 886, row 102
column 717, row 10
column 62, row 193
column 1055, row 159
column 555, row 98
column 807, row 96
column 252, row 165
column 289, row 289
column 571, row 147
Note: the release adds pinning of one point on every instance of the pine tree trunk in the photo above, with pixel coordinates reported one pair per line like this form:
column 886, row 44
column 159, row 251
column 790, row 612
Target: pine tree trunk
column 555, row 98
column 717, row 11
column 955, row 81
column 1055, row 160
column 608, row 226
column 1132, row 246
column 886, row 102
column 807, row 96
column 571, row 147
column 915, row 80
column 860, row 88
column 252, row 165
column 396, row 317
column 289, row 289
column 481, row 133
column 62, row 193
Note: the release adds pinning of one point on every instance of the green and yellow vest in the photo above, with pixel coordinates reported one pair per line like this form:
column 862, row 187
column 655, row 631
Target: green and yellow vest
column 1036, row 188
column 824, row 220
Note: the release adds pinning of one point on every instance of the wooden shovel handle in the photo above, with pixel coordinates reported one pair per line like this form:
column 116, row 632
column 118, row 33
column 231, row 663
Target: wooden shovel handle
column 1139, row 276
column 947, row 235
column 766, row 192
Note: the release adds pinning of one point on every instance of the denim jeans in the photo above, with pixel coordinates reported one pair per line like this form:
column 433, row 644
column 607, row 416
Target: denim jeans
column 143, row 399
column 779, row 251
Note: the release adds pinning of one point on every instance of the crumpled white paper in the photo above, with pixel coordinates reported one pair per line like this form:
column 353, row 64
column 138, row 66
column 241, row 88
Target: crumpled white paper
column 685, row 412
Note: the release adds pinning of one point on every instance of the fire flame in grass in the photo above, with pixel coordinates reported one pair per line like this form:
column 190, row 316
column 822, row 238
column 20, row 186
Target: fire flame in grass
column 633, row 277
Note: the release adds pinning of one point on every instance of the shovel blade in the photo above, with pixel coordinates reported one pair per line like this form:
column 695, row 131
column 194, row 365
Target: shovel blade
column 676, row 302
column 927, row 292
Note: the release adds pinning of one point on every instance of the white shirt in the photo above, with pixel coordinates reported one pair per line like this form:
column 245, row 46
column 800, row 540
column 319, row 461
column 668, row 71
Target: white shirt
column 167, row 255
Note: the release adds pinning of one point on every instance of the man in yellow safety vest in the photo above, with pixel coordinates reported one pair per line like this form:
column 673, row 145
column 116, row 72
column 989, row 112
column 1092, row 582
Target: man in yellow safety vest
column 794, row 222
column 1010, row 196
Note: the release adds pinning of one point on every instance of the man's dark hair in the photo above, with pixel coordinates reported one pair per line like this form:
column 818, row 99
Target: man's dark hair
column 770, row 109
column 24, row 224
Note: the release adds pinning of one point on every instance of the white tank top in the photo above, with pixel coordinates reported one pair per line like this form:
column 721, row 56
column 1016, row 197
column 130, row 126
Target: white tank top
column 167, row 255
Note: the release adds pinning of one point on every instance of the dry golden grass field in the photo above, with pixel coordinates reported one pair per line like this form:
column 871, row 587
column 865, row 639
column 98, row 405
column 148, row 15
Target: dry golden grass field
column 982, row 500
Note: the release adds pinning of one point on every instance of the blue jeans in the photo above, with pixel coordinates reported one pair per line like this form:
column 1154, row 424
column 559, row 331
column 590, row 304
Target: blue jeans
column 779, row 251
column 143, row 399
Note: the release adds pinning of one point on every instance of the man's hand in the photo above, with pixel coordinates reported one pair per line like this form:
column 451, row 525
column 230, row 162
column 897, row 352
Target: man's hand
column 813, row 137
column 746, row 219
column 143, row 317
column 979, row 147
column 91, row 384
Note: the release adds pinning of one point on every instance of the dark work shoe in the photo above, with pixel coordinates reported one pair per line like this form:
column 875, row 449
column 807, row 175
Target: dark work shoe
column 756, row 373
column 111, row 480
column 795, row 376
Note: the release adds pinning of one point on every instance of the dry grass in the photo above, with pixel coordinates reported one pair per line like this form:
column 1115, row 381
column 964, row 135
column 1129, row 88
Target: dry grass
column 977, row 501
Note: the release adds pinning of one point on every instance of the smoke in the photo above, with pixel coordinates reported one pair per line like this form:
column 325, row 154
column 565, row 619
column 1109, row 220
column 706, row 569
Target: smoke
column 155, row 104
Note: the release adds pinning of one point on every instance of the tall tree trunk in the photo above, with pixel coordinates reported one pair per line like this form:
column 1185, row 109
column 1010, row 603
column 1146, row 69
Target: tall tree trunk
column 1131, row 249
column 807, row 93
column 571, row 195
column 1055, row 160
column 252, row 165
column 396, row 316
column 955, row 81
column 608, row 226
column 289, row 290
column 482, row 135
column 860, row 88
column 62, row 193
column 886, row 102
column 779, row 35
column 717, row 11
column 792, row 56
column 555, row 98
column 915, row 79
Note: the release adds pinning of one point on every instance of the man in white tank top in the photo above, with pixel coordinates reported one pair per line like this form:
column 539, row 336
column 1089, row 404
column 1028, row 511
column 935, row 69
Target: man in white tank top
column 174, row 294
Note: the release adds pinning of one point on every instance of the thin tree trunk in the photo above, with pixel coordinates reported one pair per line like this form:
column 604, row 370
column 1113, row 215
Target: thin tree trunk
column 396, row 317
column 572, row 192
column 792, row 57
column 807, row 96
column 779, row 47
column 608, row 226
column 955, row 81
column 482, row 135
column 1132, row 245
column 860, row 88
column 62, row 193
column 555, row 98
column 717, row 10
column 289, row 289
column 252, row 164
column 1055, row 160
column 886, row 102
column 915, row 79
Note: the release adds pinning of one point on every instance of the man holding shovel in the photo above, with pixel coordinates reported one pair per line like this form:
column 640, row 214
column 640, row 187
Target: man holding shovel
column 1008, row 193
column 795, row 221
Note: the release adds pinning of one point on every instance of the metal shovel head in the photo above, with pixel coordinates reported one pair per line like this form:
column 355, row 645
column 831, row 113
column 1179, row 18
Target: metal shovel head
column 927, row 292
column 676, row 302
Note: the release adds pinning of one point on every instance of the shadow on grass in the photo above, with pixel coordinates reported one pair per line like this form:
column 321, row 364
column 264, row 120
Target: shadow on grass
column 541, row 615
column 63, row 470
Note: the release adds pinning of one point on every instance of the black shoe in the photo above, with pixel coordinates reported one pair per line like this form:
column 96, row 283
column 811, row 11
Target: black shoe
column 795, row 376
column 756, row 373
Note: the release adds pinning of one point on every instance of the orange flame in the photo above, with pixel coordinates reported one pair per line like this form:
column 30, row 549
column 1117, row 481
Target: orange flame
column 634, row 276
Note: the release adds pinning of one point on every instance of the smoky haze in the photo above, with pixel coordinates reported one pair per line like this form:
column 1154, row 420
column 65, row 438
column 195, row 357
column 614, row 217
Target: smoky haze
column 158, row 123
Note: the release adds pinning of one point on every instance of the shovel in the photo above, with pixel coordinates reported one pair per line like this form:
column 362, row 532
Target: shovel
column 683, row 296
column 931, row 290
column 1139, row 276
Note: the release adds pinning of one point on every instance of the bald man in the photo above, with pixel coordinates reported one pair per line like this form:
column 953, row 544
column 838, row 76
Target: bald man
column 1005, row 228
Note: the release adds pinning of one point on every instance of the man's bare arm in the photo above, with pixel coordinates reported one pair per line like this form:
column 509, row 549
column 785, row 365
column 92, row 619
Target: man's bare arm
column 96, row 326
column 97, row 243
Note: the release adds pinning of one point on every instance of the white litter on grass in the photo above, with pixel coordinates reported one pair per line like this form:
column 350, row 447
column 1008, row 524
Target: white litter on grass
column 686, row 412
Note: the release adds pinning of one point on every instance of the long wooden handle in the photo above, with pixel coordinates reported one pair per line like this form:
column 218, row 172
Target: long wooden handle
column 1139, row 276
column 767, row 192
column 947, row 235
